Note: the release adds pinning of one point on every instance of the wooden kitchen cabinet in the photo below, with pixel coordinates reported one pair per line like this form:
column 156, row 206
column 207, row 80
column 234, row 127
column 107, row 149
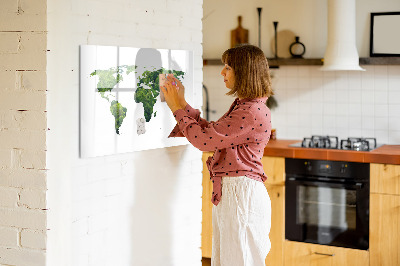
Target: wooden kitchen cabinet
column 385, row 215
column 206, row 225
column 305, row 254
column 385, row 178
column 274, row 168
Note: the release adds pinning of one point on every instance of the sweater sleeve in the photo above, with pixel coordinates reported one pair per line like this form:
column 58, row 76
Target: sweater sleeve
column 193, row 113
column 231, row 130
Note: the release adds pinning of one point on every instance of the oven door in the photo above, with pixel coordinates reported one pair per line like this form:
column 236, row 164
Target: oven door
column 327, row 213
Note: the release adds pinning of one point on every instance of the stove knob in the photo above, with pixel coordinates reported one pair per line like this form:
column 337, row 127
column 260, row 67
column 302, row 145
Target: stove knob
column 343, row 168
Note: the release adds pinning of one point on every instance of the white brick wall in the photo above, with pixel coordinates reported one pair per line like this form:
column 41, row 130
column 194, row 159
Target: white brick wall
column 23, row 126
column 139, row 208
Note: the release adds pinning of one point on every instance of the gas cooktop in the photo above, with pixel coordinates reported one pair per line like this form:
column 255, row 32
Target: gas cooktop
column 332, row 142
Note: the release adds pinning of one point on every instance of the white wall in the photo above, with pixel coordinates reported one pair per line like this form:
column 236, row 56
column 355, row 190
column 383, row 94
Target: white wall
column 311, row 102
column 140, row 208
column 23, row 133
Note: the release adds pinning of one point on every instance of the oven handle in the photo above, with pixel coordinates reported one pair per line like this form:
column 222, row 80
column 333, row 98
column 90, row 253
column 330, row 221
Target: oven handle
column 357, row 185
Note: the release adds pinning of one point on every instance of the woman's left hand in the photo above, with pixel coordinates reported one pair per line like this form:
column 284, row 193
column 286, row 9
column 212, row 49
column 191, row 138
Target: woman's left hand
column 171, row 95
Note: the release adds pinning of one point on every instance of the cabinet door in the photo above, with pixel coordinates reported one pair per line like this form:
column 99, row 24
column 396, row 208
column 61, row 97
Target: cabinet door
column 385, row 178
column 277, row 233
column 206, row 232
column 304, row 254
column 274, row 168
column 384, row 230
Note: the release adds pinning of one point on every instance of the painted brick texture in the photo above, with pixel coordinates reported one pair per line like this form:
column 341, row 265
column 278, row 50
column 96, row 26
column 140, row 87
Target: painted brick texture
column 23, row 125
column 141, row 208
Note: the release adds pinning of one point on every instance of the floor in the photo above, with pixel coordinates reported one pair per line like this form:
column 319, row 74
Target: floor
column 206, row 261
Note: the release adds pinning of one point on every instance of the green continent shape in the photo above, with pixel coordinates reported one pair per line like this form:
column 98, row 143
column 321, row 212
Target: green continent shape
column 108, row 79
column 148, row 96
column 119, row 113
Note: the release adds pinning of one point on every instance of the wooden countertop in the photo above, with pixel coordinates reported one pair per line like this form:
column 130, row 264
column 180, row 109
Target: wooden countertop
column 389, row 154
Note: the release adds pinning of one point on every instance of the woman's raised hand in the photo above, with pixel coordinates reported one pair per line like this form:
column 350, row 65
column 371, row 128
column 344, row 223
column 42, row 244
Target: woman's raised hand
column 172, row 94
column 181, row 90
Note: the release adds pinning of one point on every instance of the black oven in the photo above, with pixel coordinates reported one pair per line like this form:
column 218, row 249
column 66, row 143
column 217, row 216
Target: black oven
column 327, row 202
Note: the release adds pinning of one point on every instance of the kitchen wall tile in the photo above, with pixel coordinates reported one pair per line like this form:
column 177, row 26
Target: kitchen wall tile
column 342, row 133
column 393, row 71
column 342, row 122
column 381, row 97
column 380, row 71
column 381, row 123
column 394, row 97
column 394, row 137
column 342, row 96
column 365, row 99
column 368, row 122
column 316, row 72
column 381, row 110
column 291, row 71
column 355, row 96
column 354, row 122
column 292, row 82
column 394, row 82
column 355, row 132
column 304, row 72
column 329, row 93
column 354, row 80
column 316, row 82
column 329, row 122
column 381, row 84
column 381, row 136
column 303, row 82
column 367, row 110
column 342, row 80
column 328, row 74
column 394, row 123
column 367, row 96
column 329, row 109
column 342, row 109
column 367, row 133
column 394, row 110
column 355, row 109
column 367, row 81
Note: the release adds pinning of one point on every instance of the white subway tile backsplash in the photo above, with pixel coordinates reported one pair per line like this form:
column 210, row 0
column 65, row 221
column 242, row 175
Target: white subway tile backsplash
column 394, row 110
column 381, row 136
column 367, row 110
column 347, row 103
column 380, row 71
column 381, row 84
column 394, row 136
column 367, row 96
column 381, row 97
column 394, row 123
column 381, row 110
column 394, row 97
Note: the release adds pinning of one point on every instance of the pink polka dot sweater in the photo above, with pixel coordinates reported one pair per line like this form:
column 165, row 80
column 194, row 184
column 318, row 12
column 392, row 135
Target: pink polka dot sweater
column 238, row 139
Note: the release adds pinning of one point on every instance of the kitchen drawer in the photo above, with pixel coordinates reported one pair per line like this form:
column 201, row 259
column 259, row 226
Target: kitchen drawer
column 305, row 254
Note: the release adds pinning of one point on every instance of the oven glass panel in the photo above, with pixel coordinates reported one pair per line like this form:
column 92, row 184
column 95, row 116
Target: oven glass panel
column 326, row 207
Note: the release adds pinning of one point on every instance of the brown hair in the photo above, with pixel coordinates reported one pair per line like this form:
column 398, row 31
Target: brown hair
column 250, row 66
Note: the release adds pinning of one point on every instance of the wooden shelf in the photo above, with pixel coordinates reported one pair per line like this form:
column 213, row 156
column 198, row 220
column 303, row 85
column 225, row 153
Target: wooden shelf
column 380, row 61
column 274, row 63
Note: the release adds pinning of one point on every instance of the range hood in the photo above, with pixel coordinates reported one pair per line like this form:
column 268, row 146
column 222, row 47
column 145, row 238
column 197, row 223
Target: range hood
column 341, row 51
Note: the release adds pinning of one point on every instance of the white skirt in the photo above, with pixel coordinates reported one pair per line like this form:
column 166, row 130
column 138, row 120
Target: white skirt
column 241, row 223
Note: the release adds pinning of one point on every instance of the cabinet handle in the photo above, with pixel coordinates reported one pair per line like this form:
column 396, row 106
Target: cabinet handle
column 324, row 254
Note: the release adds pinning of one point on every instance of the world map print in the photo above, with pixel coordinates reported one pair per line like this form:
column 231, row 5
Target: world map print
column 121, row 106
column 146, row 93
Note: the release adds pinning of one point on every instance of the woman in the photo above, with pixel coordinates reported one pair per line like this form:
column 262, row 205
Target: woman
column 242, row 208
